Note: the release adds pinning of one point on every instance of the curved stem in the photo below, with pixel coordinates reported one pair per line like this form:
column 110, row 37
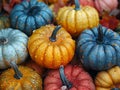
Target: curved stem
column 53, row 36
column 63, row 78
column 17, row 74
column 115, row 89
column 100, row 34
column 77, row 4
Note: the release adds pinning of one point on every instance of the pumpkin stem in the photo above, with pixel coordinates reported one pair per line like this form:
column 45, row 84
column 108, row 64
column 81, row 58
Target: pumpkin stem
column 77, row 5
column 53, row 36
column 63, row 78
column 17, row 74
column 115, row 89
column 33, row 10
column 3, row 40
column 100, row 34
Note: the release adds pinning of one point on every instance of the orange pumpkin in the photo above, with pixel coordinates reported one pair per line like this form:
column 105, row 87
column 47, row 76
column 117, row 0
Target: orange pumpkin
column 77, row 19
column 108, row 80
column 20, row 78
column 51, row 46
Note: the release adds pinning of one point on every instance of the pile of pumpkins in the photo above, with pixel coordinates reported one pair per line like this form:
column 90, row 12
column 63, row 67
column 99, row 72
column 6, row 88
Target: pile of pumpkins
column 69, row 50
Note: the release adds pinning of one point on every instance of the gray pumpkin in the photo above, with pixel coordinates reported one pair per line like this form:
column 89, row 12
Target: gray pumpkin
column 13, row 47
column 30, row 15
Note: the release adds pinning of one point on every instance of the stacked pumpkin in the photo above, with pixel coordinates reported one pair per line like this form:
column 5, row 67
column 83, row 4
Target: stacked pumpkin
column 37, row 53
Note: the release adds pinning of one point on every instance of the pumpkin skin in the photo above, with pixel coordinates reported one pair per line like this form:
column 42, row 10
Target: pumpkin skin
column 29, row 15
column 106, row 5
column 79, row 78
column 77, row 19
column 87, row 2
column 107, row 80
column 30, row 80
column 48, row 53
column 99, row 54
column 13, row 47
column 4, row 22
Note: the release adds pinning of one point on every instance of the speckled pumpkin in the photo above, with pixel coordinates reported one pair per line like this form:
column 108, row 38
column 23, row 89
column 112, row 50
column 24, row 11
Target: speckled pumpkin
column 30, row 15
column 99, row 48
column 51, row 46
column 108, row 80
column 4, row 22
column 21, row 78
column 77, row 19
column 13, row 47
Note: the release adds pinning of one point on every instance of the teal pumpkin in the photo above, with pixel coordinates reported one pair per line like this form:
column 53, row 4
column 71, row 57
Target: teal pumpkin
column 30, row 15
column 13, row 47
column 99, row 48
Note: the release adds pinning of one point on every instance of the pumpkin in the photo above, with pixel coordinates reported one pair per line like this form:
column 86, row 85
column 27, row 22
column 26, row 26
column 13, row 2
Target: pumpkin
column 109, row 79
column 105, row 5
column 50, row 46
column 87, row 2
column 29, row 15
column 13, row 47
column 72, row 77
column 98, row 48
column 20, row 78
column 77, row 19
column 31, row 64
column 54, row 1
column 4, row 22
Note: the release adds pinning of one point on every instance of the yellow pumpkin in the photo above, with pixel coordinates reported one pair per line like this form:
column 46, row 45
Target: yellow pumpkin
column 108, row 80
column 51, row 46
column 20, row 78
column 77, row 19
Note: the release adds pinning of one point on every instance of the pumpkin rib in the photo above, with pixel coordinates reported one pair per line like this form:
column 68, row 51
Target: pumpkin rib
column 33, row 53
column 47, row 60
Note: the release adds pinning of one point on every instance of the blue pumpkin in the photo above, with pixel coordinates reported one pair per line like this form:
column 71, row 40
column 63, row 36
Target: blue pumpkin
column 13, row 47
column 30, row 15
column 99, row 48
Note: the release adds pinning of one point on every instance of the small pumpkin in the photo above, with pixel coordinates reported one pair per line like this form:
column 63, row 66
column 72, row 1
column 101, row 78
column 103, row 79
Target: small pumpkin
column 4, row 22
column 72, row 77
column 105, row 5
column 98, row 48
column 51, row 46
column 13, row 47
column 29, row 15
column 77, row 19
column 109, row 79
column 20, row 78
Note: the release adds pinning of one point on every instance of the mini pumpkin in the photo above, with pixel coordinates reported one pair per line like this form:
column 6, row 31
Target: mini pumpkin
column 29, row 15
column 13, row 47
column 98, row 48
column 51, row 46
column 106, row 5
column 20, row 78
column 77, row 19
column 72, row 77
column 4, row 22
column 108, row 80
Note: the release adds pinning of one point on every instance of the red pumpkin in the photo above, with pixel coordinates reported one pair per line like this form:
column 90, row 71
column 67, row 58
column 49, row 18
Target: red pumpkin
column 72, row 77
column 87, row 2
column 106, row 5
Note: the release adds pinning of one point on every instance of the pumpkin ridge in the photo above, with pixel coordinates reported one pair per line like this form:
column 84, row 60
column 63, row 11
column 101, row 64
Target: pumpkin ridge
column 35, row 51
column 16, row 21
column 45, row 55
